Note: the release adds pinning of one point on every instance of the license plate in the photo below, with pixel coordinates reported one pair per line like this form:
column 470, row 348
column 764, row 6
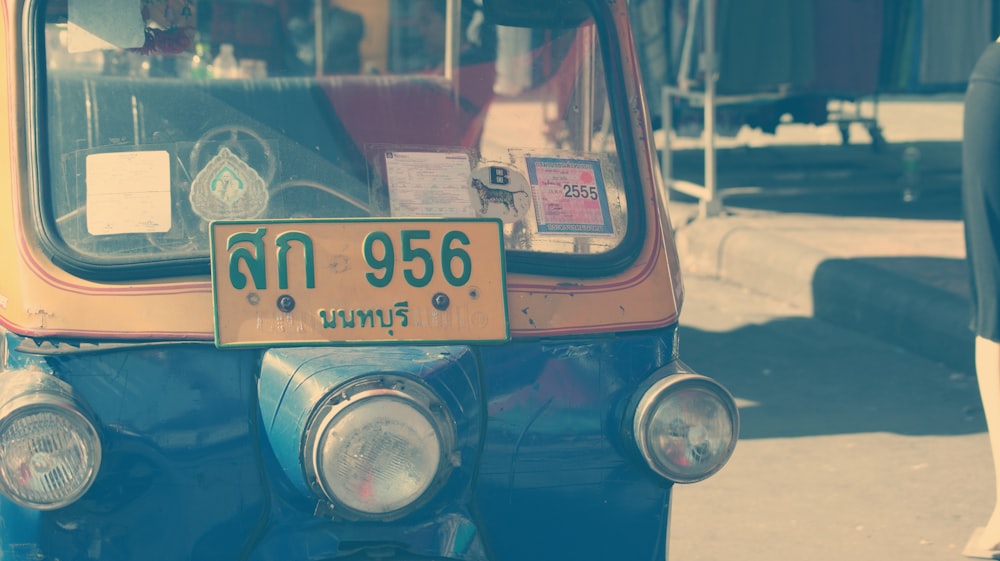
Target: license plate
column 328, row 281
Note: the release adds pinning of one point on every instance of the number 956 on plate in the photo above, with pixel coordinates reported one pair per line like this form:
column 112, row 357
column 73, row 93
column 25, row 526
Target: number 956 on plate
column 347, row 281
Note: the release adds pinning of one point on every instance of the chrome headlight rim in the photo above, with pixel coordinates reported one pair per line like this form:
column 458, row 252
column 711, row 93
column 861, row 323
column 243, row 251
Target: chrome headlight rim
column 646, row 405
column 58, row 403
column 365, row 392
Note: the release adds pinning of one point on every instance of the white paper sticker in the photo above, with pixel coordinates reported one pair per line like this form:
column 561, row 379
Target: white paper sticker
column 128, row 192
column 429, row 184
column 105, row 24
column 501, row 191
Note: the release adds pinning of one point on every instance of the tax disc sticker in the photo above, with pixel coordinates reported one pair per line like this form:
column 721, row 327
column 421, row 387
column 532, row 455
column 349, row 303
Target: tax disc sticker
column 570, row 197
column 500, row 191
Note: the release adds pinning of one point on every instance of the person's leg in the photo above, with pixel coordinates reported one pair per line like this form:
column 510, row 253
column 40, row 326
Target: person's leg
column 981, row 213
column 986, row 541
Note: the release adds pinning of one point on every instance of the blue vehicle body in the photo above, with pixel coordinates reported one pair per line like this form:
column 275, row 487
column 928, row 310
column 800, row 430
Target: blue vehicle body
column 188, row 471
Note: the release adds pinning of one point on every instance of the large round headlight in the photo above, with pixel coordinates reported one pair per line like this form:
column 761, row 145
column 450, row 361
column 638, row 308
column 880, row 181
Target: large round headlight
column 50, row 451
column 686, row 427
column 380, row 448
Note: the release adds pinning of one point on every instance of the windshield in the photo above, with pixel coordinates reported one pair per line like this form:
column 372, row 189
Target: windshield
column 165, row 115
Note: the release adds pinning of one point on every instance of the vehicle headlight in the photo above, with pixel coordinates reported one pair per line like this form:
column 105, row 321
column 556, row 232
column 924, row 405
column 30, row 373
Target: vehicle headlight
column 50, row 451
column 379, row 447
column 686, row 427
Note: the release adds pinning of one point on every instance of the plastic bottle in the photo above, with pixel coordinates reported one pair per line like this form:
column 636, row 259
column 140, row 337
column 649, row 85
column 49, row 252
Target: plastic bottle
column 199, row 62
column 911, row 174
column 224, row 65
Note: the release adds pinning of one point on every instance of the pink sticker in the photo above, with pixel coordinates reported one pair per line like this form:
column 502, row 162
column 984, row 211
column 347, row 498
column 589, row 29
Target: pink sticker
column 569, row 196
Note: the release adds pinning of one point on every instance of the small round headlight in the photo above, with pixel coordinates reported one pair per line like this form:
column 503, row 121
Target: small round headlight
column 379, row 451
column 686, row 427
column 50, row 451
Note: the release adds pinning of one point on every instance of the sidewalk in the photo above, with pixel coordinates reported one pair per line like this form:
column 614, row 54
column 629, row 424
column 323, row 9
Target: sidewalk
column 825, row 228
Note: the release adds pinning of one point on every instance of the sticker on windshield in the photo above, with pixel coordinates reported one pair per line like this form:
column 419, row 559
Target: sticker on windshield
column 228, row 188
column 429, row 184
column 128, row 192
column 501, row 191
column 91, row 28
column 569, row 196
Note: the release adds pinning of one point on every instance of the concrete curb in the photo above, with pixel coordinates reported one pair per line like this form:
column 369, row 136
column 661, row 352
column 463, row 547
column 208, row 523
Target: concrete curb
column 926, row 320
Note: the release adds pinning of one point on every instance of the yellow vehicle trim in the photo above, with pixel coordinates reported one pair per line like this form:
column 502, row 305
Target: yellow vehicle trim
column 39, row 299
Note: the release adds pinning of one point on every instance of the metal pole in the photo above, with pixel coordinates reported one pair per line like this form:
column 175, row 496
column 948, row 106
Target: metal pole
column 684, row 73
column 667, row 124
column 712, row 205
column 587, row 89
column 319, row 40
column 453, row 42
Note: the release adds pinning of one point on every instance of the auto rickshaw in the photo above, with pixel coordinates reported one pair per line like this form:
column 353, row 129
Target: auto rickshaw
column 366, row 280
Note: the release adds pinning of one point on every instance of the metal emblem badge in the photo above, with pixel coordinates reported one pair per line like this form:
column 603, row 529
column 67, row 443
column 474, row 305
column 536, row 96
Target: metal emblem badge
column 227, row 188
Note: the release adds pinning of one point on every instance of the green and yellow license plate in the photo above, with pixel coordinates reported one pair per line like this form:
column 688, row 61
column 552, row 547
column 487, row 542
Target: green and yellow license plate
column 311, row 282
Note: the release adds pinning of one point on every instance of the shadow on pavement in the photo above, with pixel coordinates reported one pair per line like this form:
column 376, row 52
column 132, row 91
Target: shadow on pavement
column 942, row 273
column 938, row 199
column 796, row 380
column 852, row 180
column 918, row 303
